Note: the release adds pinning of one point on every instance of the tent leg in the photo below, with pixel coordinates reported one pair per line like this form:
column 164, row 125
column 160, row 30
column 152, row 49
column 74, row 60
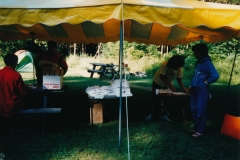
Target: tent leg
column 230, row 79
column 120, row 98
column 32, row 48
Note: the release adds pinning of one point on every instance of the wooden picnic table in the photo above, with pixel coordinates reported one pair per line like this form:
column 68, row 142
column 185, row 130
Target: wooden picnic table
column 98, row 68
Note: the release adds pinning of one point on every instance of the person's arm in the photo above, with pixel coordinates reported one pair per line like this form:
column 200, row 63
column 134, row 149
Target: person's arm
column 64, row 66
column 214, row 75
column 179, row 80
column 21, row 86
column 164, row 79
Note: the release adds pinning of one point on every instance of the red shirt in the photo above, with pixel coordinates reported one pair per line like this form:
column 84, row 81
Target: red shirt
column 12, row 90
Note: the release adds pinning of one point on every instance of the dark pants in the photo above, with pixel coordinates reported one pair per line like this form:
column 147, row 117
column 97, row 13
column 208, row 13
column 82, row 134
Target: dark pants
column 199, row 102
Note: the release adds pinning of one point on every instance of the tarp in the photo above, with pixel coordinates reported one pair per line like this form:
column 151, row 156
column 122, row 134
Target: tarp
column 25, row 61
column 160, row 22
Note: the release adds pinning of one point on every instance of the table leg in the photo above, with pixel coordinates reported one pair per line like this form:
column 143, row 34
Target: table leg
column 45, row 100
column 44, row 116
column 184, row 116
column 92, row 72
column 43, row 124
column 184, row 104
column 91, row 112
column 103, row 70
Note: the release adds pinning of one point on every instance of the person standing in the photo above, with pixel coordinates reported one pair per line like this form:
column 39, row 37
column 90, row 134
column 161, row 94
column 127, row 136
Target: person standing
column 163, row 79
column 49, row 58
column 204, row 74
column 12, row 92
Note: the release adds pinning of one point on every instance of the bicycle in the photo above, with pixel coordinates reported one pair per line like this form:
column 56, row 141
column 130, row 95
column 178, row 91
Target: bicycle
column 112, row 73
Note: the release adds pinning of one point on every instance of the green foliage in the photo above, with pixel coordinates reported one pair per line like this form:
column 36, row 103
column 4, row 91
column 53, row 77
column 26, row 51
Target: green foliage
column 110, row 49
column 130, row 50
column 147, row 58
column 1, row 61
column 10, row 47
column 227, row 48
column 152, row 69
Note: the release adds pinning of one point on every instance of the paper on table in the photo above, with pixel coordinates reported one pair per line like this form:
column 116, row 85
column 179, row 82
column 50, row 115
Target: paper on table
column 107, row 90
column 165, row 91
column 178, row 93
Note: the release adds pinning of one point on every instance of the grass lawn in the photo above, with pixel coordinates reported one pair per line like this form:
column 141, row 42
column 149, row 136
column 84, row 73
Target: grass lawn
column 69, row 135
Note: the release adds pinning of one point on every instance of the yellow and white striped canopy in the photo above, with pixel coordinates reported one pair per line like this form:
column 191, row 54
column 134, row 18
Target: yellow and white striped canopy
column 160, row 22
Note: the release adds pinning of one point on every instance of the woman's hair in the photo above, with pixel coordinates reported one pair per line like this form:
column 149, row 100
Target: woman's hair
column 201, row 48
column 10, row 59
column 176, row 61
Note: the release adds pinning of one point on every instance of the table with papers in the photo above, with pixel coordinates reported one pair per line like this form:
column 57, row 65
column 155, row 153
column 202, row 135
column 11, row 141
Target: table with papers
column 183, row 97
column 107, row 92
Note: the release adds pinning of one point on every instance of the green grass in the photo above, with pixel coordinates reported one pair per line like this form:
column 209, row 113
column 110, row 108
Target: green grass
column 69, row 136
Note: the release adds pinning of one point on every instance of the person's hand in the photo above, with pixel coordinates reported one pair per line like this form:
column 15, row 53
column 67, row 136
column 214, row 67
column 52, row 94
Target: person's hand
column 185, row 90
column 189, row 90
column 172, row 88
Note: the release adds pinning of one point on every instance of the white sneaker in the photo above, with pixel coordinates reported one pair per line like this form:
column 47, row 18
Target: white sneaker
column 149, row 117
column 165, row 118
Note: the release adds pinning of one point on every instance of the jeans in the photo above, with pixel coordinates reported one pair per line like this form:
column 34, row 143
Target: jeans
column 199, row 102
column 158, row 101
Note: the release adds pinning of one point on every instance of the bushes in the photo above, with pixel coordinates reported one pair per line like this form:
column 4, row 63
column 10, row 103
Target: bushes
column 148, row 58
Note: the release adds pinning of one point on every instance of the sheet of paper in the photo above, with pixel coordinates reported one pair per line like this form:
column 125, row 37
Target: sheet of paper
column 165, row 91
column 178, row 93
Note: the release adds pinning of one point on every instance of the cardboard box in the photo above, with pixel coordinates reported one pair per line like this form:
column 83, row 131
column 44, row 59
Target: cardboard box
column 52, row 82
column 231, row 126
column 97, row 113
column 52, row 78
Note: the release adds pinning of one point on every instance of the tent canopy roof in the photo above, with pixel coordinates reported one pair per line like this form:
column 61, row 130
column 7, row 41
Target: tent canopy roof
column 167, row 22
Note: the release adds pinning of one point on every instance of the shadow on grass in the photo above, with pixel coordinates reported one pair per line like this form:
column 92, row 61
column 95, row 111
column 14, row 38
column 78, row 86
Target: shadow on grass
column 70, row 135
column 75, row 102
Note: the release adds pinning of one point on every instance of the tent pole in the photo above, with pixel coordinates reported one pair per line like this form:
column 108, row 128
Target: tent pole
column 32, row 48
column 230, row 79
column 120, row 68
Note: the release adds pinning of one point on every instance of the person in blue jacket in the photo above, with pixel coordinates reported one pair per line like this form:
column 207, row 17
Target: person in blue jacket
column 204, row 74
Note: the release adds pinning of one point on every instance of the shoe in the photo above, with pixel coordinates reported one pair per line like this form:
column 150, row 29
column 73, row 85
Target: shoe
column 149, row 117
column 197, row 134
column 165, row 118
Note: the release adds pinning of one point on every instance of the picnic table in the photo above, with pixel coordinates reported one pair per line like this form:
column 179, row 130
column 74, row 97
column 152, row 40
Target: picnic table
column 98, row 68
column 44, row 109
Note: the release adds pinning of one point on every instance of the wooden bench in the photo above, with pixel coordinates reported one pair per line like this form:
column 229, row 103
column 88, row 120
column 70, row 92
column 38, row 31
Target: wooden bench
column 92, row 71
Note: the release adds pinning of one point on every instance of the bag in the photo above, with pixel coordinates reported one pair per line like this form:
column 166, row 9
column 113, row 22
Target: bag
column 231, row 126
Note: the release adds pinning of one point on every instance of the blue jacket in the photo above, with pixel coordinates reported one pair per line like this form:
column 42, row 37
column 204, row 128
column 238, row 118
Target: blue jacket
column 204, row 71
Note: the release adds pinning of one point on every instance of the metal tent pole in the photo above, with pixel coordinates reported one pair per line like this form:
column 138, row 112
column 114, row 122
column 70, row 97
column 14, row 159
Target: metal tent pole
column 230, row 79
column 33, row 55
column 120, row 98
